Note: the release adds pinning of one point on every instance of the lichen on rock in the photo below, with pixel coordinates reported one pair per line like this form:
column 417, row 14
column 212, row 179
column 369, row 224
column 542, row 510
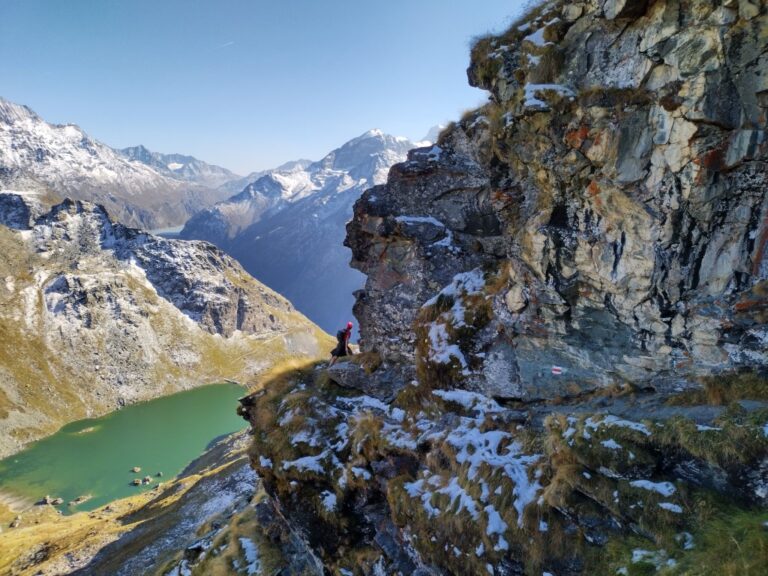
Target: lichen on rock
column 629, row 211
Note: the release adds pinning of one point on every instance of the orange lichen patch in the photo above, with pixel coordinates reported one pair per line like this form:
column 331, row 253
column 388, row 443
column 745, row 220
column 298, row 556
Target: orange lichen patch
column 754, row 304
column 502, row 198
column 585, row 290
column 711, row 161
column 575, row 138
column 749, row 305
column 760, row 246
column 593, row 189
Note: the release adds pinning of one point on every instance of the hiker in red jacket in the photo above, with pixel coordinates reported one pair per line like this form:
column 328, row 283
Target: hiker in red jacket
column 342, row 344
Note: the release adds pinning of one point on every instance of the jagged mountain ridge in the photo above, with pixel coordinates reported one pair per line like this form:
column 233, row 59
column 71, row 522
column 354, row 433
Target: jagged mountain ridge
column 288, row 226
column 104, row 315
column 236, row 186
column 181, row 167
column 357, row 164
column 65, row 160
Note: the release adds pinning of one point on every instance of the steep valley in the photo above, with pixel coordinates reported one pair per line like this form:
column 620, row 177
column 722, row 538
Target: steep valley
column 288, row 225
column 96, row 315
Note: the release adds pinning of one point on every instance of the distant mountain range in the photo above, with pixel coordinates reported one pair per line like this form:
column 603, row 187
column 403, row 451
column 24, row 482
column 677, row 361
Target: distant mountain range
column 155, row 191
column 181, row 167
column 287, row 227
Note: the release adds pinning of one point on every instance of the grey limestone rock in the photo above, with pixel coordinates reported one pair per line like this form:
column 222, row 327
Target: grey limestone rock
column 615, row 185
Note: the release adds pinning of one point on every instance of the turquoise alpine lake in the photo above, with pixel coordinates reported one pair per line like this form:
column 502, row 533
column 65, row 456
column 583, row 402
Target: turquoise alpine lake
column 96, row 457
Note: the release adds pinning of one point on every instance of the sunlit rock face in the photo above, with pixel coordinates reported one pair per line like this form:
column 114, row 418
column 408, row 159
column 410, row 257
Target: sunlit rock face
column 612, row 191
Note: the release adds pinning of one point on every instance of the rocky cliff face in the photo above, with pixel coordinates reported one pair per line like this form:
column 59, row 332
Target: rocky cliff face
column 614, row 186
column 564, row 318
column 95, row 315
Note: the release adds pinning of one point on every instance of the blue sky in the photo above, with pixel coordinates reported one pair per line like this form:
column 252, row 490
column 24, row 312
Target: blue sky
column 247, row 84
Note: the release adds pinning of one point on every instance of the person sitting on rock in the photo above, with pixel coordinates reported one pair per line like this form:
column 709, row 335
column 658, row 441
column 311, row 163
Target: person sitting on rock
column 342, row 344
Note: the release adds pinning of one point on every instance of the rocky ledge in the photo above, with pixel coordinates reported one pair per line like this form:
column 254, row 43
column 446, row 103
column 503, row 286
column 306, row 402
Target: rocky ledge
column 446, row 481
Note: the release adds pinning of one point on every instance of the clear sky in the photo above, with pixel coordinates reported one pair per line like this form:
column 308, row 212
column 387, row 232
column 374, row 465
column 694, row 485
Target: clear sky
column 247, row 84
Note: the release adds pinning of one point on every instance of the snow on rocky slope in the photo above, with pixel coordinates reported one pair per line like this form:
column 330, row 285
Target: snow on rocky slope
column 65, row 160
column 94, row 315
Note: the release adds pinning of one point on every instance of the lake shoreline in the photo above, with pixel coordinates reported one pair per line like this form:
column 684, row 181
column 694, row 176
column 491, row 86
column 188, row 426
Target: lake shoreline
column 97, row 456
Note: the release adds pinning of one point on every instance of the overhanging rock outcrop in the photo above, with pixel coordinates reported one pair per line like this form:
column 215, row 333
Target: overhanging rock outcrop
column 603, row 217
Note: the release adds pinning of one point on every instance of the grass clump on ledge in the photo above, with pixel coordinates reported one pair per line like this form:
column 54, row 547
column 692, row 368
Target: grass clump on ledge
column 724, row 389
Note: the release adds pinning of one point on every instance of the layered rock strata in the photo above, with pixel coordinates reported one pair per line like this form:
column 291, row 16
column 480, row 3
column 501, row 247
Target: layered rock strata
column 614, row 186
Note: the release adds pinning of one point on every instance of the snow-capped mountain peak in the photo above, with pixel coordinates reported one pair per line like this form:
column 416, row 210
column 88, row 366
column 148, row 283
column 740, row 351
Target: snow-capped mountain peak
column 65, row 160
column 288, row 225
column 180, row 166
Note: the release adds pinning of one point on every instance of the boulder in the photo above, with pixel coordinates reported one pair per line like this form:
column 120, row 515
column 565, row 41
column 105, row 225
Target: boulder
column 624, row 8
column 383, row 384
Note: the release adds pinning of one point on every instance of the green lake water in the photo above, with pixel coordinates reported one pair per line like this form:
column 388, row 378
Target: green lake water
column 95, row 456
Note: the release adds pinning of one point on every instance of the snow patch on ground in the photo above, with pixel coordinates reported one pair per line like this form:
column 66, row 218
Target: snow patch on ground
column 441, row 352
column 537, row 38
column 463, row 284
column 469, row 400
column 611, row 444
column 664, row 488
column 307, row 463
column 329, row 500
column 671, row 507
column 611, row 420
column 533, row 92
column 420, row 220
column 497, row 526
column 477, row 449
column 251, row 556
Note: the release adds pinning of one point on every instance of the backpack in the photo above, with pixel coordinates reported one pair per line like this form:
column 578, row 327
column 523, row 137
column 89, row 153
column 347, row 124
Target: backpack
column 341, row 337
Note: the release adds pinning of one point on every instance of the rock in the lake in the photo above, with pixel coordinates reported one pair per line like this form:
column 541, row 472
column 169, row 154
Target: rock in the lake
column 80, row 500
